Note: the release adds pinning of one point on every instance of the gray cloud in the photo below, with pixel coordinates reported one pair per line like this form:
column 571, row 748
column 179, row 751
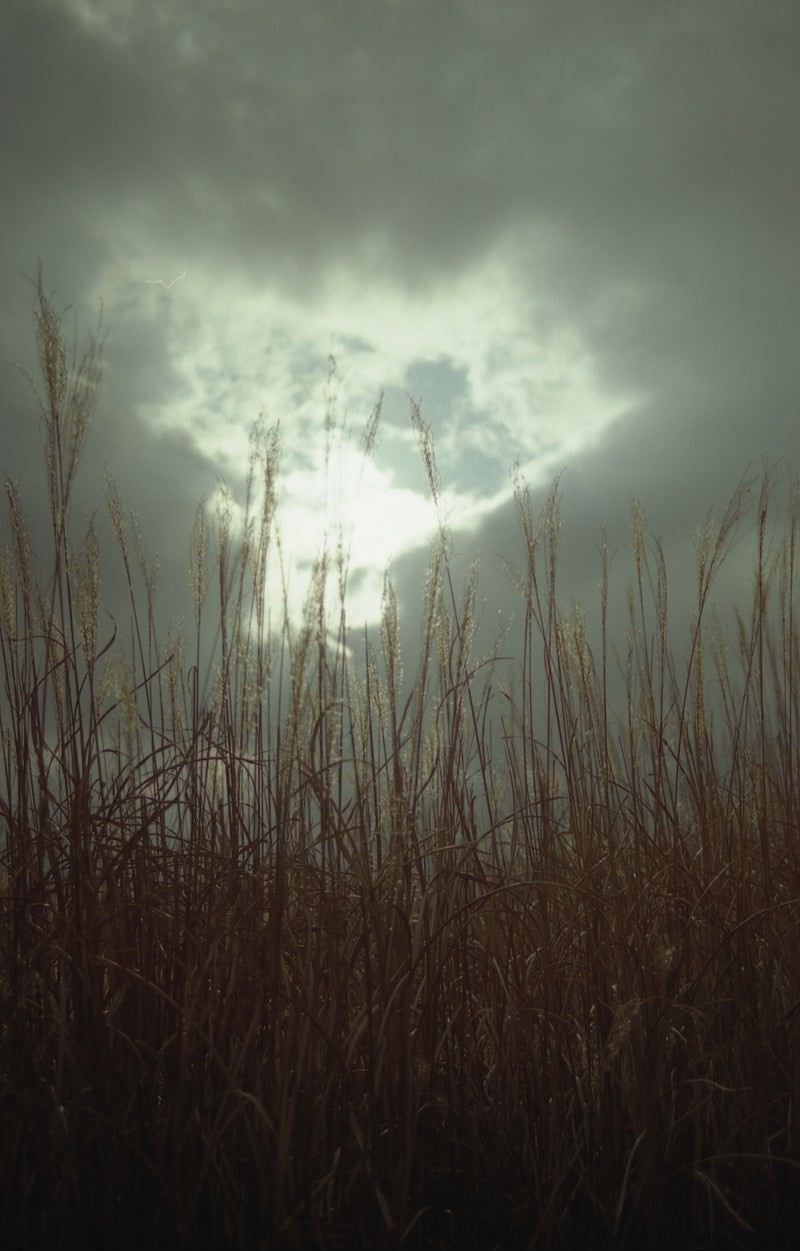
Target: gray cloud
column 632, row 168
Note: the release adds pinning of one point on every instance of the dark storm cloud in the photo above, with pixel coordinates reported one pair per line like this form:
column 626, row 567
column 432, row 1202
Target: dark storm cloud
column 302, row 134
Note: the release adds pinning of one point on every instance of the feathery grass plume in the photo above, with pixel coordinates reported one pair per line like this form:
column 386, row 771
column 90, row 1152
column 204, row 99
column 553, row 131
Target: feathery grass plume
column 88, row 578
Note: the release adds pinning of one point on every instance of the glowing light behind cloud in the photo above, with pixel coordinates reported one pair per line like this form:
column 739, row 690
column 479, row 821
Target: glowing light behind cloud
column 528, row 395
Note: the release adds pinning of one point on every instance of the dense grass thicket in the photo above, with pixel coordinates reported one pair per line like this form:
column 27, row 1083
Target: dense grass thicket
column 305, row 947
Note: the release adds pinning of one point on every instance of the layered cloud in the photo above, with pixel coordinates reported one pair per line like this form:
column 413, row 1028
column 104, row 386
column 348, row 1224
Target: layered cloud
column 567, row 233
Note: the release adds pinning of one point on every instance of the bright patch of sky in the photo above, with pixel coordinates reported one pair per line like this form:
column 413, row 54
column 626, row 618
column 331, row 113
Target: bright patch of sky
column 509, row 384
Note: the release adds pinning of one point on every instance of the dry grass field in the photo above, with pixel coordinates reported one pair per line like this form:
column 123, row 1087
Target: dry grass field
column 305, row 949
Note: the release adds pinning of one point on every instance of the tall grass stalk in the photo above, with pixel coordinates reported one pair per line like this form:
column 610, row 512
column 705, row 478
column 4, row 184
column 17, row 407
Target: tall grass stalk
column 299, row 948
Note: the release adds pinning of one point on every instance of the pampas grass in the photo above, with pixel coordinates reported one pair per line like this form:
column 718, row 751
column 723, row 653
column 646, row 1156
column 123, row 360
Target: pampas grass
column 301, row 948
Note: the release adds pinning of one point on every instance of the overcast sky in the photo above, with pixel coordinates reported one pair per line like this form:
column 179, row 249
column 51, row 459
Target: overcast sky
column 571, row 231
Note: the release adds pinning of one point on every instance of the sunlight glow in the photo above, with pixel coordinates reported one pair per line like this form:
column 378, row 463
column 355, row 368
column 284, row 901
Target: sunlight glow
column 512, row 385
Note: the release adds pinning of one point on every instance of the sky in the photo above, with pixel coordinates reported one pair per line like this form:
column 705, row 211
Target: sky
column 567, row 232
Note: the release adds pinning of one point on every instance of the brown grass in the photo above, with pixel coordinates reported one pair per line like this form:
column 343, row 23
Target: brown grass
column 298, row 950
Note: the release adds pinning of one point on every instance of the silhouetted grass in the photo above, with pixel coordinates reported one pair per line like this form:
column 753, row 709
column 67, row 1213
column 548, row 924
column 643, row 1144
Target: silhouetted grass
column 300, row 950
